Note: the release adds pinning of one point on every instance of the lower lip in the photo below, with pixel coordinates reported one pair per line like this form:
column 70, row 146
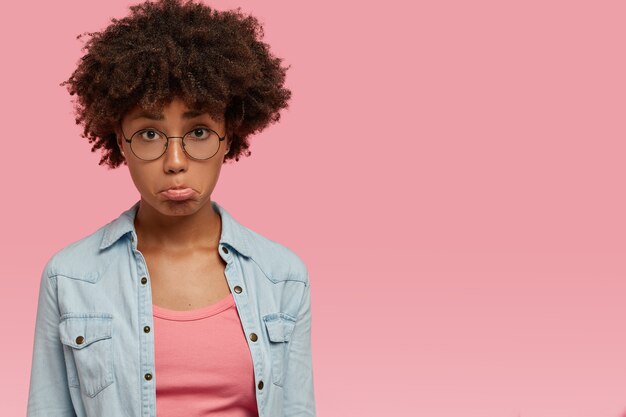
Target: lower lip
column 178, row 195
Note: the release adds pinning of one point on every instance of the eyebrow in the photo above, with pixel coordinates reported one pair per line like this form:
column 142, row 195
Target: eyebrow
column 190, row 114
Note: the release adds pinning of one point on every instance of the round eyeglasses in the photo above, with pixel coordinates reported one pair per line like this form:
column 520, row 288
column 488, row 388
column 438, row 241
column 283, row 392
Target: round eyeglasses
column 150, row 144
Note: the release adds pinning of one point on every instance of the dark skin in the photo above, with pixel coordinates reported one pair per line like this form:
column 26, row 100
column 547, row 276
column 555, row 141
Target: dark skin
column 178, row 239
column 184, row 279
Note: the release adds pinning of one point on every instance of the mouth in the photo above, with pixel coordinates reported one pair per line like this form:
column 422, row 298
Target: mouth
column 178, row 193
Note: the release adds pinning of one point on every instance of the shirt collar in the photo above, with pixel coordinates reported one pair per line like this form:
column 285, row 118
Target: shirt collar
column 233, row 233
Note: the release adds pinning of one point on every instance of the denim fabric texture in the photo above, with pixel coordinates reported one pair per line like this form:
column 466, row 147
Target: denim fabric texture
column 92, row 355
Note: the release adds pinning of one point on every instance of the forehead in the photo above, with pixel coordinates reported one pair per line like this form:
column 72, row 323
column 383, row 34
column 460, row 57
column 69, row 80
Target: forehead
column 156, row 115
column 175, row 109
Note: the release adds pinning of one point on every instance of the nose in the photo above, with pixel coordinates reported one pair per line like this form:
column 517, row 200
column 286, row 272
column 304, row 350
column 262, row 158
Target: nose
column 175, row 157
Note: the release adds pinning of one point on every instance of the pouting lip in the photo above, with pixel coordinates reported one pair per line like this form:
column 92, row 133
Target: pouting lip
column 176, row 187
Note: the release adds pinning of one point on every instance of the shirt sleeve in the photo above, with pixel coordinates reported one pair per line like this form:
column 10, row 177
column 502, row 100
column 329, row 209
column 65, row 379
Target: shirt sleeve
column 299, row 400
column 48, row 394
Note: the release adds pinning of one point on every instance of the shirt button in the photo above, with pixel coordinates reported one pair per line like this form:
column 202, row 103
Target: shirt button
column 237, row 289
column 146, row 329
column 224, row 249
column 80, row 340
column 253, row 337
column 144, row 280
column 148, row 376
column 260, row 385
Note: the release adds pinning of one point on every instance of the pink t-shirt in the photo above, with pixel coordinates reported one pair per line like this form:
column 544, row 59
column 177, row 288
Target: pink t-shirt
column 203, row 365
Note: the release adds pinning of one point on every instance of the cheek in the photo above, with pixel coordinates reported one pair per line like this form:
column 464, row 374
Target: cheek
column 140, row 176
column 204, row 176
column 216, row 167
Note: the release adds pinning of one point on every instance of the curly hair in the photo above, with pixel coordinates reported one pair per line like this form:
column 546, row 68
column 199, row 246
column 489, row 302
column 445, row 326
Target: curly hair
column 214, row 61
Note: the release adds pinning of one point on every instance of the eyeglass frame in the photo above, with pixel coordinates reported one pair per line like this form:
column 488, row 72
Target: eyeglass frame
column 167, row 142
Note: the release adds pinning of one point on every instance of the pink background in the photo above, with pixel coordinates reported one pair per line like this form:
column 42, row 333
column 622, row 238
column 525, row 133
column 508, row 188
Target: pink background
column 452, row 173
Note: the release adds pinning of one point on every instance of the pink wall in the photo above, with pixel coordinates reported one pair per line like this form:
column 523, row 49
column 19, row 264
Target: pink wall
column 452, row 172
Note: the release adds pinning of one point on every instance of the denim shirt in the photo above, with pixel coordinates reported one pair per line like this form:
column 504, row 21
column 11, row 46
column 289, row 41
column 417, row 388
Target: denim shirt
column 93, row 353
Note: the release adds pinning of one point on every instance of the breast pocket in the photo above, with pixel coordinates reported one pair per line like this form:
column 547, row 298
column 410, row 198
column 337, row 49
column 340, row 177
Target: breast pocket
column 90, row 350
column 279, row 327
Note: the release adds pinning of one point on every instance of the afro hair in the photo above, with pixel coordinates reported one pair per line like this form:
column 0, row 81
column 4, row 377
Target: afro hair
column 214, row 61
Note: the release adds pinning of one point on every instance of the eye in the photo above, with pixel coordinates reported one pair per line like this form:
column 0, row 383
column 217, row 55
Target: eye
column 149, row 135
column 199, row 133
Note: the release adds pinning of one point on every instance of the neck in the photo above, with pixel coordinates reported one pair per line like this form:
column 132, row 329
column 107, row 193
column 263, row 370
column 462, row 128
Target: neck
column 202, row 228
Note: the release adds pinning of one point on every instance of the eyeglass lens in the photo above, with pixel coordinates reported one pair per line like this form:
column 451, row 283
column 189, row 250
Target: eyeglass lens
column 200, row 143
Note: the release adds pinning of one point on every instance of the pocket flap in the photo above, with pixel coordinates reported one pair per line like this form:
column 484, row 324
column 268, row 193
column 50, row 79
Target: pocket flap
column 79, row 332
column 279, row 326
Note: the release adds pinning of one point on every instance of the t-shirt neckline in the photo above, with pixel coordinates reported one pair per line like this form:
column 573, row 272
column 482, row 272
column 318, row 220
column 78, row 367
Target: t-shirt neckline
column 195, row 314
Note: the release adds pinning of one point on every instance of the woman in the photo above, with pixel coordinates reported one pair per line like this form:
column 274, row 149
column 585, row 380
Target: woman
column 174, row 308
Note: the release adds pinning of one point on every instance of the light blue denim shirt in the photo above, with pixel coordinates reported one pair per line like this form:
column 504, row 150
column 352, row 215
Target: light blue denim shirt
column 93, row 352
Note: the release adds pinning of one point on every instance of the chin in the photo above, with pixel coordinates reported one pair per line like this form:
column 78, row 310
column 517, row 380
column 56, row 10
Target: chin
column 174, row 208
column 179, row 208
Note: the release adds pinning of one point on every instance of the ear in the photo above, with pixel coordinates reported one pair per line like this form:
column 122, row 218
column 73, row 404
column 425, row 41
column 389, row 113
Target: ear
column 119, row 138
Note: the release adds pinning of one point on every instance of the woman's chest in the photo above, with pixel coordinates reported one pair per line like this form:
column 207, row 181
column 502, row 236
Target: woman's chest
column 186, row 281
